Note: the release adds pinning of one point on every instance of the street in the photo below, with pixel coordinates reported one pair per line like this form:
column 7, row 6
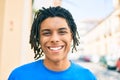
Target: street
column 101, row 72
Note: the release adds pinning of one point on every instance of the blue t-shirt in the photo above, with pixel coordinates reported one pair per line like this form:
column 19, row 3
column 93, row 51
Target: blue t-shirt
column 37, row 71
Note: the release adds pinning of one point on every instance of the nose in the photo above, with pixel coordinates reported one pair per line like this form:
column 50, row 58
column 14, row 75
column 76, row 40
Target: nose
column 54, row 38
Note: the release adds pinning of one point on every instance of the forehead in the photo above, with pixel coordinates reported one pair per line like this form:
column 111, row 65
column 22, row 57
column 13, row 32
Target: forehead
column 53, row 23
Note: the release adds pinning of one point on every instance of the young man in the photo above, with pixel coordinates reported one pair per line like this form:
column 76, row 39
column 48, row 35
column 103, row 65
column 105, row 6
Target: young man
column 52, row 32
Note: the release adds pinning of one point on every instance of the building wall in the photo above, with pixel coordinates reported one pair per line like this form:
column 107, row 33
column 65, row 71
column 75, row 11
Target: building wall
column 12, row 17
column 57, row 2
column 104, row 39
column 1, row 21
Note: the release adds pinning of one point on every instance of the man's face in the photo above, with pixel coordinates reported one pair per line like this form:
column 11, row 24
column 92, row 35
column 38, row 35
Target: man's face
column 55, row 38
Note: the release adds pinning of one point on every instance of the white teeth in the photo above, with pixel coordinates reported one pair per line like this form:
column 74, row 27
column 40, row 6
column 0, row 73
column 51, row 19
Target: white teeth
column 55, row 48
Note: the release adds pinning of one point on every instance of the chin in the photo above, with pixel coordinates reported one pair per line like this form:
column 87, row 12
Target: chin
column 57, row 59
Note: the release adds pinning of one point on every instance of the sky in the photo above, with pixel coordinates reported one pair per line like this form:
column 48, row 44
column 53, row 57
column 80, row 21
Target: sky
column 89, row 9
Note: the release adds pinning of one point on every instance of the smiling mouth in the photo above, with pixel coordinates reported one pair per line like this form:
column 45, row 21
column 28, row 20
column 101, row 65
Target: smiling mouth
column 55, row 48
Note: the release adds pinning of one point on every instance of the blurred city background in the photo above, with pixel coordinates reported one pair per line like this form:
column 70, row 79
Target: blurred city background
column 98, row 23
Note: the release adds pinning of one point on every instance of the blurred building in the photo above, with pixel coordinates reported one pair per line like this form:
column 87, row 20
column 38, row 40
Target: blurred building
column 15, row 22
column 104, row 38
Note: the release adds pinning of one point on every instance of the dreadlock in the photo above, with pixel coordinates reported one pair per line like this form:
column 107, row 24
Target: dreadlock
column 43, row 14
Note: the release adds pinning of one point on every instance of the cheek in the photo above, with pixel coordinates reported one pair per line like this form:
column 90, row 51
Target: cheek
column 68, row 40
column 42, row 40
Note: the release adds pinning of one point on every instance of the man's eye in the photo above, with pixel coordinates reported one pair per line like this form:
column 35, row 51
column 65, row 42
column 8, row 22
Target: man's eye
column 46, row 33
column 63, row 32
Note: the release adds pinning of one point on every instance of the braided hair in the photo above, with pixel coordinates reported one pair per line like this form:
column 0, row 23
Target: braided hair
column 43, row 14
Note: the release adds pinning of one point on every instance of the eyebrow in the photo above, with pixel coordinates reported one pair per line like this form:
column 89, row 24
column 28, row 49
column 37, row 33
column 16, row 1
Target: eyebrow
column 45, row 30
column 62, row 28
column 58, row 29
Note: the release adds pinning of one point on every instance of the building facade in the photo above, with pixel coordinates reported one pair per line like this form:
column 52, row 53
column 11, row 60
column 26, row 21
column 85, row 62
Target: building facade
column 104, row 39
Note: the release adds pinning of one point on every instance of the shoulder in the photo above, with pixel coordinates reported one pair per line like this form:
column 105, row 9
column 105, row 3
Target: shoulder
column 28, row 65
column 82, row 71
column 25, row 69
column 78, row 67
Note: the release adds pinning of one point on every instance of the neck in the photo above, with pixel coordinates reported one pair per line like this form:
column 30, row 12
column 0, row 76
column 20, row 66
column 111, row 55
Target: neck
column 58, row 65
